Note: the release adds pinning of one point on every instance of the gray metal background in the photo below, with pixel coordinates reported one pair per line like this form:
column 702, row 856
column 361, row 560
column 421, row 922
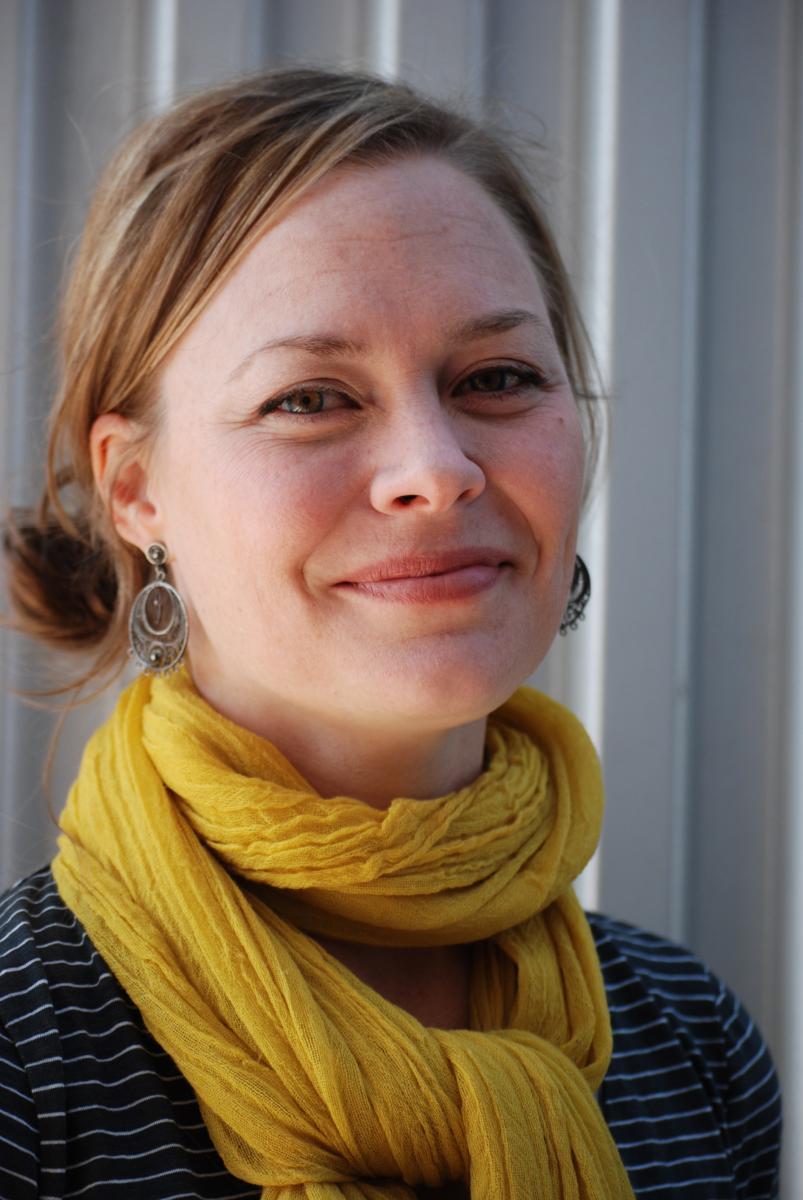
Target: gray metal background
column 673, row 175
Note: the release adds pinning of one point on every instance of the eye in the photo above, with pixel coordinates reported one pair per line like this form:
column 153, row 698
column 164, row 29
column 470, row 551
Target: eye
column 305, row 401
column 500, row 380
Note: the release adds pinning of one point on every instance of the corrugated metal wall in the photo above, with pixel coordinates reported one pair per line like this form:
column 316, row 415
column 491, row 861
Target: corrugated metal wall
column 673, row 175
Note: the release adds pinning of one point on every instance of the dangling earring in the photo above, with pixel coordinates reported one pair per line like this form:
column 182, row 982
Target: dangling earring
column 157, row 627
column 579, row 595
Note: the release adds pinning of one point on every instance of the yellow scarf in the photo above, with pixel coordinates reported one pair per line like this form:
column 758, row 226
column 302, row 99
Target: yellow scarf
column 311, row 1084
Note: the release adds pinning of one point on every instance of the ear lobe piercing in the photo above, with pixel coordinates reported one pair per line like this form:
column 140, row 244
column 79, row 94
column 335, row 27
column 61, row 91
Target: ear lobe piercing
column 158, row 625
column 579, row 595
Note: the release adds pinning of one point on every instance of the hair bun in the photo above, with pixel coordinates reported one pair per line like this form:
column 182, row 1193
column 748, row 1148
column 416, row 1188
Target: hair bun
column 62, row 589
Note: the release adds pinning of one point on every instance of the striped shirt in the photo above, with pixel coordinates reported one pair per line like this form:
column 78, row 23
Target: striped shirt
column 91, row 1106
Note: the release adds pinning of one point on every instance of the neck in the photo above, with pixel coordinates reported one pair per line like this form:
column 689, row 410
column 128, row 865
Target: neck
column 377, row 768
column 375, row 764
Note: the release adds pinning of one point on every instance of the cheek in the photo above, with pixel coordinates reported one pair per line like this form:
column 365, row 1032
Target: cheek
column 543, row 475
column 247, row 515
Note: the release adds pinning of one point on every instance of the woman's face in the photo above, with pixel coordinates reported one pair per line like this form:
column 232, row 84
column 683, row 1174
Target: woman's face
column 369, row 471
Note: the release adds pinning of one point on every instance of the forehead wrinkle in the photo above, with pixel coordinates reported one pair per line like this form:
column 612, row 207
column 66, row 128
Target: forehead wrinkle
column 398, row 235
column 395, row 234
column 479, row 227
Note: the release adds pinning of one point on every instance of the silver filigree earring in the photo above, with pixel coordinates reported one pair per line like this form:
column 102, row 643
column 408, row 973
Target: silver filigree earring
column 579, row 595
column 157, row 627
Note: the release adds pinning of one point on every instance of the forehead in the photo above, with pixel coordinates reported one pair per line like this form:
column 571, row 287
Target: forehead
column 414, row 245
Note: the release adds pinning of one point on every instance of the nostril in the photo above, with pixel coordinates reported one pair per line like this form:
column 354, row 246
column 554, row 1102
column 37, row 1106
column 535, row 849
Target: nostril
column 405, row 499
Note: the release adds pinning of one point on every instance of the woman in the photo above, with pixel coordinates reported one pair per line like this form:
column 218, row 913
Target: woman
column 321, row 443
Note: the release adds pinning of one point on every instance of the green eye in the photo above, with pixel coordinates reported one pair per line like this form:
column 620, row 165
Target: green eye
column 304, row 402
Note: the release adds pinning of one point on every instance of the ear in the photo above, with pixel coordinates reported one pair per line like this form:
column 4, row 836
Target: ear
column 121, row 475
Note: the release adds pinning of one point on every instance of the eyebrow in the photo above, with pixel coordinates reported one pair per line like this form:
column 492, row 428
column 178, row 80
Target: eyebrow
column 329, row 345
column 498, row 322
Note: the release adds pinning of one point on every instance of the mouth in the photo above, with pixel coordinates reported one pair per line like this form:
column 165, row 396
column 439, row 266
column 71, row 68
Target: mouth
column 432, row 578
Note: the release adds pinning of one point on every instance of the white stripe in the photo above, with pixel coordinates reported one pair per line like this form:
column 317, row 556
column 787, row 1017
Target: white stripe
column 744, row 1095
column 27, row 890
column 54, row 905
column 645, row 1051
column 10, row 1116
column 139, row 1154
column 27, row 1016
column 661, row 1187
column 142, row 1179
column 751, row 1116
column 101, row 1131
column 654, row 1120
column 670, row 1141
column 10, row 1059
column 626, row 1031
column 126, row 1023
column 235, row 1196
column 677, row 1162
column 16, row 1175
column 760, row 1053
column 651, row 1074
column 113, row 1083
column 117, row 1108
column 73, row 944
column 78, row 1008
column 36, row 930
column 18, row 1146
column 687, row 998
column 72, row 985
column 666, row 954
column 699, row 976
column 736, row 1011
column 11, row 1091
column 21, row 924
column 42, row 1062
column 704, row 998
column 764, row 1149
column 130, row 1048
column 640, row 1098
column 24, row 991
column 74, row 964
column 644, row 1002
column 35, row 1037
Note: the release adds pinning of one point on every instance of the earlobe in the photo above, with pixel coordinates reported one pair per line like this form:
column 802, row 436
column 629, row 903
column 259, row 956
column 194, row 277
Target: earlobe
column 121, row 477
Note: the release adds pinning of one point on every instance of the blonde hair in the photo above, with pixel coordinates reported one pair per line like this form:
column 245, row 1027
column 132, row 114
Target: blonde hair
column 181, row 202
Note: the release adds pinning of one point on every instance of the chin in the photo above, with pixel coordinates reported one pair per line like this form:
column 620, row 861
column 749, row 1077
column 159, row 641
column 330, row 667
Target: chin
column 445, row 685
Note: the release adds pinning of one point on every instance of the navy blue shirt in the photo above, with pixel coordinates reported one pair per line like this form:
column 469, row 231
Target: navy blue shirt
column 91, row 1106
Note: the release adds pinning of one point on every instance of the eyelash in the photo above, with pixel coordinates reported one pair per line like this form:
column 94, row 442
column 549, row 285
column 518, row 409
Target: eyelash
column 527, row 379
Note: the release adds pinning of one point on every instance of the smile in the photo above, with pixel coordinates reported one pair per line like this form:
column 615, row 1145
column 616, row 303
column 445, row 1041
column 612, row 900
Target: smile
column 459, row 575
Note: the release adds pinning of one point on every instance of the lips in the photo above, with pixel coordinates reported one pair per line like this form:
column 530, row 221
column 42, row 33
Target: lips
column 437, row 563
column 439, row 576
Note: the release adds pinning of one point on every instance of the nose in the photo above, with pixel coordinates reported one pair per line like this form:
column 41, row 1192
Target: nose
column 424, row 466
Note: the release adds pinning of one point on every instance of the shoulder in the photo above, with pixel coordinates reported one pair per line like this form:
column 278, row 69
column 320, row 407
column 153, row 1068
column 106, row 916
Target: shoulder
column 689, row 1068
column 638, row 966
column 44, row 952
column 86, row 1095
column 53, row 982
column 31, row 915
column 38, row 934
